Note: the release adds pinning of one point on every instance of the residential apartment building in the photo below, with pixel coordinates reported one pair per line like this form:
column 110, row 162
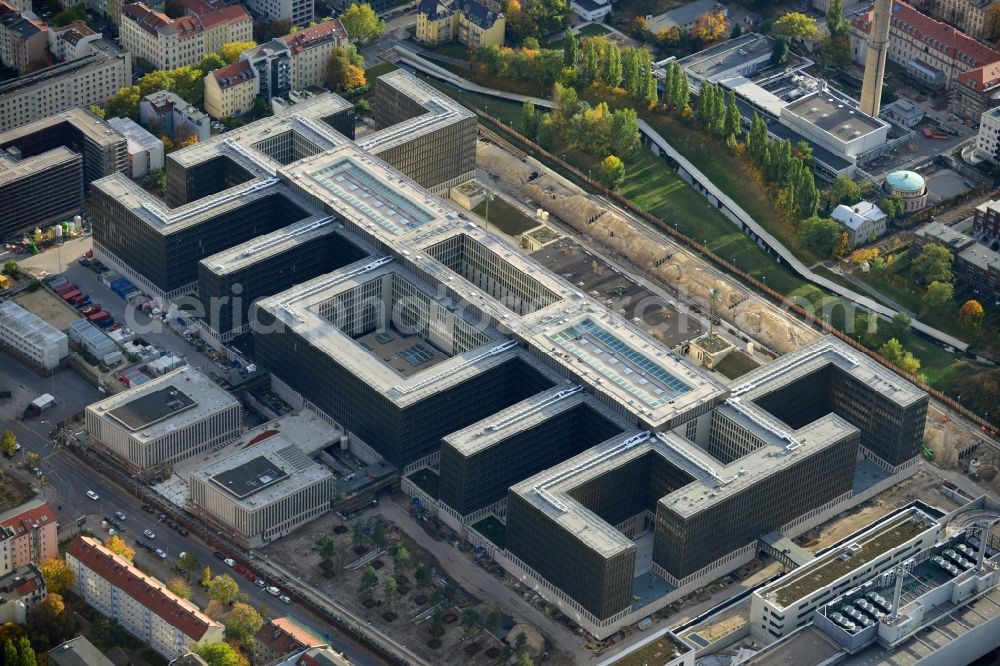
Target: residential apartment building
column 988, row 138
column 164, row 112
column 231, row 91
column 31, row 337
column 171, row 418
column 27, row 534
column 299, row 12
column 20, row 589
column 92, row 79
column 71, row 41
column 937, row 56
column 165, row 43
column 22, row 39
column 140, row 603
column 282, row 637
column 475, row 23
column 272, row 64
column 976, row 266
column 310, row 50
column 986, row 220
column 973, row 17
column 145, row 151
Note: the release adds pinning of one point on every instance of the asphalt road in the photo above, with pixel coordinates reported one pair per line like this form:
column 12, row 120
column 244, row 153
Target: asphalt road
column 68, row 480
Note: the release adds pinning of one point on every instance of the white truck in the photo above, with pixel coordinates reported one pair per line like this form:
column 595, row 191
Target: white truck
column 40, row 404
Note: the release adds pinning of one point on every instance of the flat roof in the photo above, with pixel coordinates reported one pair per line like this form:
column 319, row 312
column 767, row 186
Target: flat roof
column 441, row 111
column 268, row 468
column 832, row 566
column 249, row 477
column 806, row 647
column 12, row 169
column 528, row 414
column 659, row 648
column 152, row 407
column 843, row 121
column 95, row 129
column 730, row 56
column 71, row 69
column 151, row 418
column 946, row 235
column 28, row 326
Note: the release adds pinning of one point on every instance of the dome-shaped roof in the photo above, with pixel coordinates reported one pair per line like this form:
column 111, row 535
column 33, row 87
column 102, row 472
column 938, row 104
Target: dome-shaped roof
column 905, row 181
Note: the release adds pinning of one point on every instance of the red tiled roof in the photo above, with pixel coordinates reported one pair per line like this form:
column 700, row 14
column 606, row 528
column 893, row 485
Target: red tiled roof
column 225, row 16
column 981, row 78
column 936, row 35
column 22, row 522
column 178, row 613
column 283, row 636
column 234, row 74
column 299, row 41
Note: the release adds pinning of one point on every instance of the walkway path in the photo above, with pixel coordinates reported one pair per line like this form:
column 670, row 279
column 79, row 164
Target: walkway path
column 411, row 58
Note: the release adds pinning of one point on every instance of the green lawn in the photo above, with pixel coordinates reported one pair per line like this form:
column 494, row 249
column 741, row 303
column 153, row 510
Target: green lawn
column 378, row 70
column 589, row 30
column 450, row 49
column 506, row 217
column 427, row 480
column 492, row 529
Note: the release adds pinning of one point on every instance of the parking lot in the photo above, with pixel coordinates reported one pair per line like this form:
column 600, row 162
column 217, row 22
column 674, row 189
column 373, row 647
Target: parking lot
column 945, row 184
column 619, row 292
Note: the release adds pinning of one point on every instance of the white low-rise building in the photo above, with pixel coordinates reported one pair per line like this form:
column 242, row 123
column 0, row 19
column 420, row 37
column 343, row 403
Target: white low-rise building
column 173, row 417
column 864, row 221
column 140, row 603
column 988, row 140
column 591, row 10
column 145, row 151
column 31, row 337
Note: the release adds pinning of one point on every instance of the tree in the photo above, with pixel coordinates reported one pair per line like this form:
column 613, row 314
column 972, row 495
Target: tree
column 421, row 576
column 734, row 121
column 125, row 104
column 211, row 62
column 223, row 589
column 10, row 267
column 625, row 134
column 345, row 69
column 547, row 15
column 892, row 350
column 58, row 577
column 10, row 655
column 9, row 443
column 820, row 233
column 794, row 25
column 866, row 328
column 242, row 623
column 757, row 139
column 437, row 621
column 933, row 264
column 836, row 24
column 520, row 642
column 378, row 534
column 710, row 26
column 938, row 294
column 470, row 620
column 326, row 548
column 189, row 563
column 669, row 38
column 362, row 23
column 843, row 245
column 843, row 191
column 779, row 52
column 206, row 577
column 217, row 654
column 900, row 324
column 971, row 314
column 390, row 590
column 892, row 206
column 525, row 660
column 909, row 363
column 70, row 14
column 26, row 652
column 369, row 581
column 571, row 49
column 118, row 546
column 49, row 618
column 612, row 172
column 180, row 587
column 492, row 621
column 611, row 73
column 590, row 59
column 230, row 51
column 401, row 560
column 529, row 119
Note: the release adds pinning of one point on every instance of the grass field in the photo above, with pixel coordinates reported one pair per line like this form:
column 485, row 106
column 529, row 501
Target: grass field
column 378, row 70
column 450, row 49
column 589, row 30
column 492, row 529
column 427, row 480
column 506, row 217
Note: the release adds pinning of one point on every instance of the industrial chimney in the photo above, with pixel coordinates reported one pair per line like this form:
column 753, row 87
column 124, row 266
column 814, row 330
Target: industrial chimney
column 878, row 51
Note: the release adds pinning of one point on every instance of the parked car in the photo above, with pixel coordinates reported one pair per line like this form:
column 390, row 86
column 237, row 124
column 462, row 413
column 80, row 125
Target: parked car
column 161, row 554
column 182, row 531
column 149, row 534
column 259, row 582
column 147, row 508
column 119, row 515
column 219, row 556
column 240, row 569
column 229, row 562
column 287, row 599
column 141, row 544
column 92, row 495
column 274, row 591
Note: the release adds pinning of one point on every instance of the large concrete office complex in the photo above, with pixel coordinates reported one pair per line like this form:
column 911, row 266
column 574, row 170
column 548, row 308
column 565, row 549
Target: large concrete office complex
column 46, row 165
column 164, row 421
column 264, row 491
column 446, row 348
column 427, row 136
column 92, row 79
